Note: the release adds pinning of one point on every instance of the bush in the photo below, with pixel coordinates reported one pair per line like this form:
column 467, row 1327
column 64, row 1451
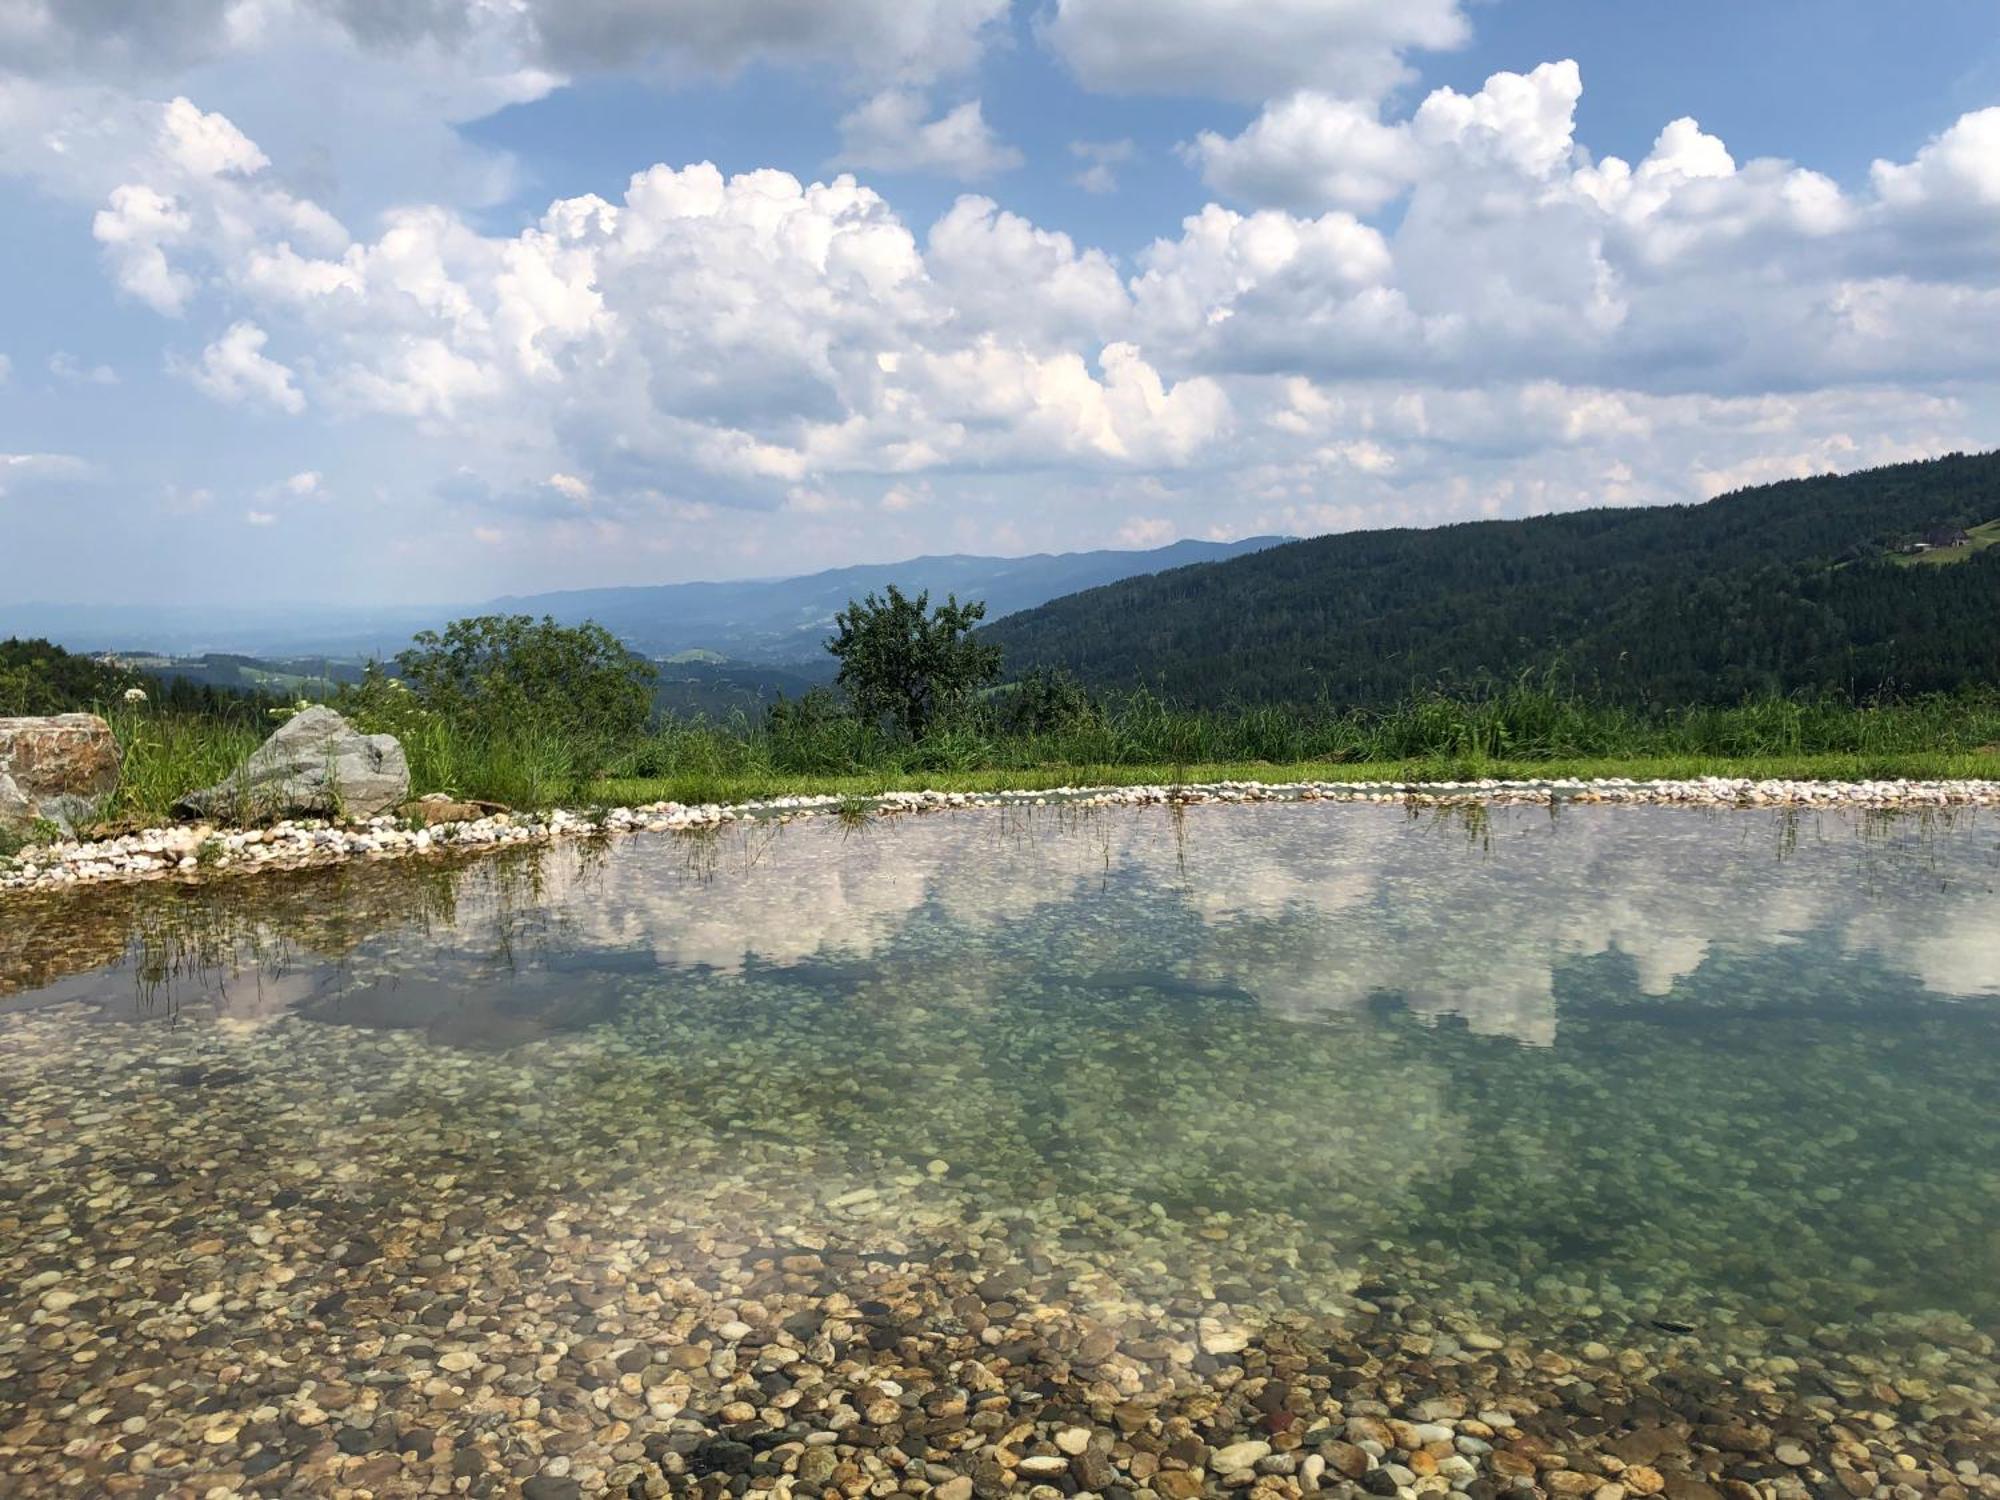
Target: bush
column 512, row 671
column 1048, row 701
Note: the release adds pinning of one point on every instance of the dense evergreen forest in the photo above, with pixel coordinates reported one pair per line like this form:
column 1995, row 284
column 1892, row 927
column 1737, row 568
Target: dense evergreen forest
column 1799, row 586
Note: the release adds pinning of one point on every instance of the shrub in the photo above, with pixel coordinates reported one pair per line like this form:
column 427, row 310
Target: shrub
column 512, row 670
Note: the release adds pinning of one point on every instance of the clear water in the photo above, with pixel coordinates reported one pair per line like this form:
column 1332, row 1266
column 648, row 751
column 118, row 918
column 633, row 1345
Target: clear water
column 1617, row 1073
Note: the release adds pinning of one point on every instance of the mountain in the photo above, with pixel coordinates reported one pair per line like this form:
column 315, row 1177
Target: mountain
column 769, row 620
column 1803, row 585
column 788, row 619
column 349, row 633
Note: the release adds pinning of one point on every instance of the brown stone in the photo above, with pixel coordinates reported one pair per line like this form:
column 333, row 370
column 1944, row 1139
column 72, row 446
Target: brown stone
column 1740, row 1437
column 438, row 808
column 1645, row 1444
column 1177, row 1484
column 1132, row 1417
column 1371, row 1430
column 1345, row 1459
column 1098, row 1345
column 55, row 769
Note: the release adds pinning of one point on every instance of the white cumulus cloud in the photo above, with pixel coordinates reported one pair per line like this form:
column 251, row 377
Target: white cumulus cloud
column 235, row 370
column 888, row 133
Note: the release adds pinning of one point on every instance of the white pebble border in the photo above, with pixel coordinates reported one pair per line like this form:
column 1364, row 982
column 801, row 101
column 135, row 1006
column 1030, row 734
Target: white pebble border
column 201, row 849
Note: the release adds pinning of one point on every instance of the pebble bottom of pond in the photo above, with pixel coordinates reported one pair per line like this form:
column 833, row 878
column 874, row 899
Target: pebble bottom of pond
column 1131, row 1152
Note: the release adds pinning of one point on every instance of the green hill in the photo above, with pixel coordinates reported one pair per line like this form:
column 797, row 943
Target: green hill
column 1786, row 587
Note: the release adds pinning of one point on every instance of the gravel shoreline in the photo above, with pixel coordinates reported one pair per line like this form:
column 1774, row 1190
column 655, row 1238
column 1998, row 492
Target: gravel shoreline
column 198, row 850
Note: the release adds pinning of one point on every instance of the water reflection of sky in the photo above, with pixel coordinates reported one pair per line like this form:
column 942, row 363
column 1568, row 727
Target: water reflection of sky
column 1112, row 1024
column 1310, row 911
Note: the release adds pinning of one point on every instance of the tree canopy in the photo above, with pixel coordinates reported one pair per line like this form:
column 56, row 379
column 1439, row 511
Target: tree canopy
column 514, row 669
column 904, row 661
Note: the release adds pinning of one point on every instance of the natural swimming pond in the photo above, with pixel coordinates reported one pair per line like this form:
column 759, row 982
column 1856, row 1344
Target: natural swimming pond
column 766, row 1154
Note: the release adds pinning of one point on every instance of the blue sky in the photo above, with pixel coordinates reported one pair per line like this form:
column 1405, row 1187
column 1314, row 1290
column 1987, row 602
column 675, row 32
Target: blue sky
column 354, row 300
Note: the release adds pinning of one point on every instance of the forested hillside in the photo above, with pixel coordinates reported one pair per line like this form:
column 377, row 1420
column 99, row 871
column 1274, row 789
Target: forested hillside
column 1786, row 587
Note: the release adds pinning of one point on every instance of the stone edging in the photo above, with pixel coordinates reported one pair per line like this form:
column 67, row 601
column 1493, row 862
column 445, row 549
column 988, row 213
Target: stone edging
column 192, row 852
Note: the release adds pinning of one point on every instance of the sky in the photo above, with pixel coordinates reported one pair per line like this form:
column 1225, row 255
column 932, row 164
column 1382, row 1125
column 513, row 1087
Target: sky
column 380, row 301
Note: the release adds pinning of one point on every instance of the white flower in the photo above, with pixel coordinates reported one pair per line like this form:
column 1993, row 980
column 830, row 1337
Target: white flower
column 135, row 695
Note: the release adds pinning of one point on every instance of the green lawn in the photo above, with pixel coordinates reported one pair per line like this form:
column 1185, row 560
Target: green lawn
column 1979, row 538
column 725, row 788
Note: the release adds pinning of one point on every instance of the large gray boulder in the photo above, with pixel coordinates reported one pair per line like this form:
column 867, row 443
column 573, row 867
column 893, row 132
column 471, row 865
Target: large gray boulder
column 56, row 770
column 316, row 766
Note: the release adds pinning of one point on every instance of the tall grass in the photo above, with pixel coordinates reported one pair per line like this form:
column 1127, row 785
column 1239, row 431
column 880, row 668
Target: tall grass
column 168, row 755
column 1522, row 726
column 1525, row 722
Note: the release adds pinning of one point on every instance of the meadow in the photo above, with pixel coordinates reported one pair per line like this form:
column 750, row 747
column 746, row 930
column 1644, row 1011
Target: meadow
column 1527, row 730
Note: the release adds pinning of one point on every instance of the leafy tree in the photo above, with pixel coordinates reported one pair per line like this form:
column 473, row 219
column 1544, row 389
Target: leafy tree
column 503, row 670
column 902, row 660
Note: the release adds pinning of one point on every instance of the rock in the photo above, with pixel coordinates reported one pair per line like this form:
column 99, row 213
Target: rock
column 958, row 1488
column 550, row 1487
column 816, row 1466
column 1073, row 1440
column 1644, row 1445
column 1093, row 1470
column 1217, row 1338
column 1741, row 1437
column 720, row 1456
column 1238, row 1456
column 1345, row 1459
column 1096, row 1347
column 435, row 808
column 316, row 765
column 1791, row 1453
column 57, row 770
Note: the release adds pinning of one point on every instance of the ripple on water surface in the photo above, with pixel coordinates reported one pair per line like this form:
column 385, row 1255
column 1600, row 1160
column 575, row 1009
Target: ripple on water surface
column 1713, row 1090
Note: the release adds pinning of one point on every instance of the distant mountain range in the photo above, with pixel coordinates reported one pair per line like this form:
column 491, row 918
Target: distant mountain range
column 1887, row 580
column 768, row 621
column 788, row 619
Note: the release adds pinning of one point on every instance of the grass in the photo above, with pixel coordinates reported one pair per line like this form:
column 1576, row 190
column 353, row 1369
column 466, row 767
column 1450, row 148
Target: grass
column 1527, row 731
column 167, row 755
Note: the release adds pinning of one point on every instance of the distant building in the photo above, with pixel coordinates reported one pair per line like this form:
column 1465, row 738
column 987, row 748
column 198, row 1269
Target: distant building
column 1945, row 536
